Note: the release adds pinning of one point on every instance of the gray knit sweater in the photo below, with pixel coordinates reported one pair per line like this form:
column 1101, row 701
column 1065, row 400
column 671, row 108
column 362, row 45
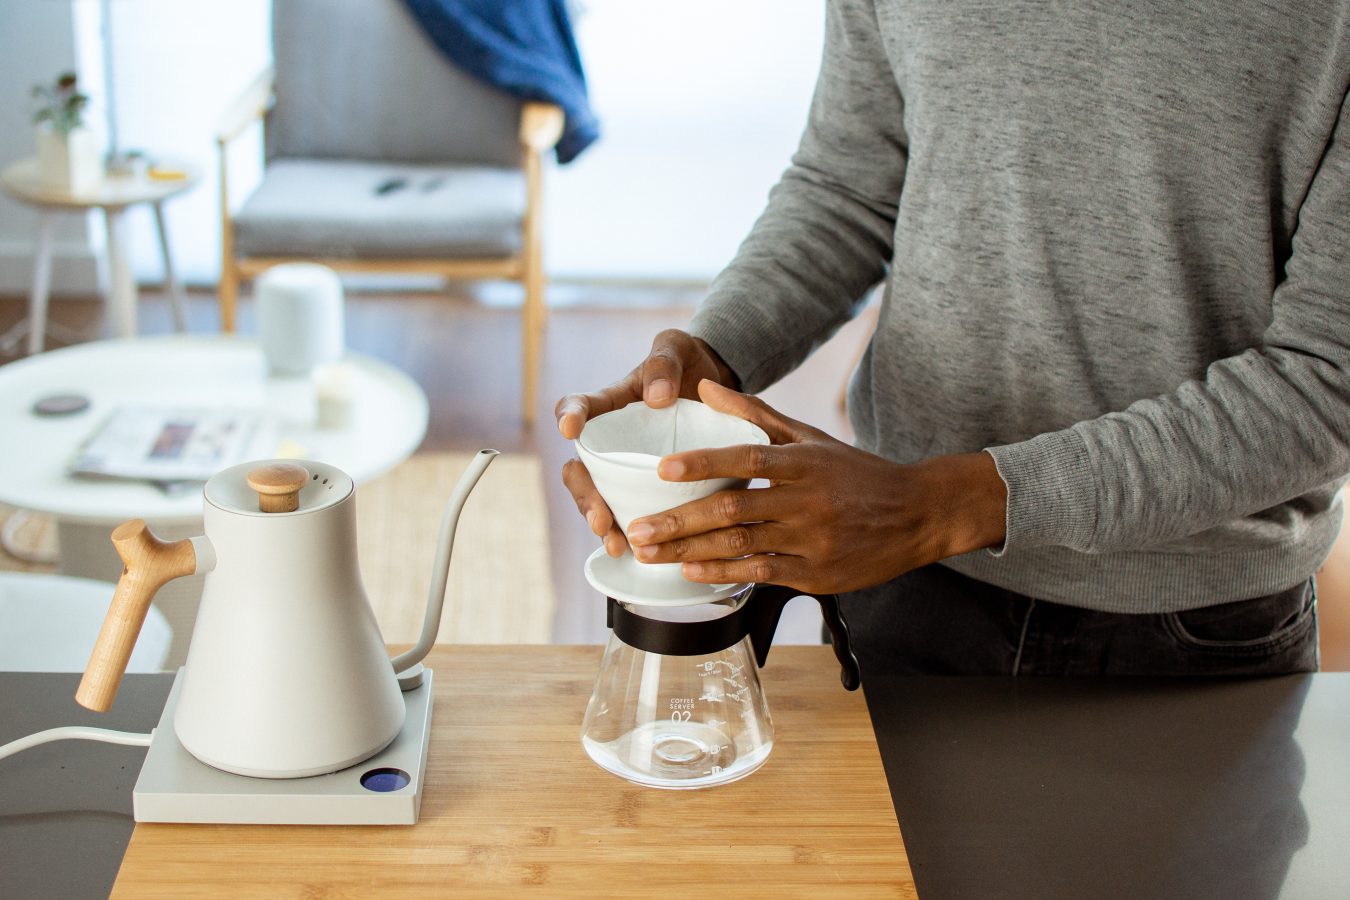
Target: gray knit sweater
column 1115, row 243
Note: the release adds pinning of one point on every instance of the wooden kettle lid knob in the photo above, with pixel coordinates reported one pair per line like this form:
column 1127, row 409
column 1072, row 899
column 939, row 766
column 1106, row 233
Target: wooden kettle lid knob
column 278, row 486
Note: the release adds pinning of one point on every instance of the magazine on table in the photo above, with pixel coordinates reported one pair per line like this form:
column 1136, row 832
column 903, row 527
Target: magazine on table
column 167, row 445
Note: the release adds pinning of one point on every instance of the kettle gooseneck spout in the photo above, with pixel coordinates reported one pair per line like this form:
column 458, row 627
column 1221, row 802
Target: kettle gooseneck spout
column 440, row 570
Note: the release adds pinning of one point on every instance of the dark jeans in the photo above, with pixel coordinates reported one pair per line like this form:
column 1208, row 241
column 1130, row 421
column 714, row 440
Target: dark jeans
column 935, row 621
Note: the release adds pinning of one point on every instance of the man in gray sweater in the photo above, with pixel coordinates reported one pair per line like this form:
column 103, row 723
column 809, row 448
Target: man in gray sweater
column 1110, row 383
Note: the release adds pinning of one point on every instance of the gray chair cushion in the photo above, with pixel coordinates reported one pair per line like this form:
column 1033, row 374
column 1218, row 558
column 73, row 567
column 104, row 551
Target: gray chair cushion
column 332, row 208
column 357, row 79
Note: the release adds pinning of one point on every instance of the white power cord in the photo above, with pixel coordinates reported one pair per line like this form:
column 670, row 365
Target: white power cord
column 76, row 733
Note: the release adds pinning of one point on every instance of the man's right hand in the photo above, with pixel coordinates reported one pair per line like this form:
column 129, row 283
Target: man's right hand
column 674, row 367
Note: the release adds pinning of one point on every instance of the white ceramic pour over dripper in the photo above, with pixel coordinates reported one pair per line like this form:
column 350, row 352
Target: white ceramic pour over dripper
column 621, row 450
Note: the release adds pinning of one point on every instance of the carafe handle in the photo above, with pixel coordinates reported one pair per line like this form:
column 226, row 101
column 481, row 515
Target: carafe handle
column 149, row 564
column 765, row 607
column 757, row 618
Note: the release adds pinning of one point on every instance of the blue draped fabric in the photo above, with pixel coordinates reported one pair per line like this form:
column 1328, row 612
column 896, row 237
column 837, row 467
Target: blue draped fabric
column 524, row 47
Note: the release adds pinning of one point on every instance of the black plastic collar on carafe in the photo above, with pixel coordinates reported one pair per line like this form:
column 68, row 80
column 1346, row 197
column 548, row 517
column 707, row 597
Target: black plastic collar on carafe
column 757, row 618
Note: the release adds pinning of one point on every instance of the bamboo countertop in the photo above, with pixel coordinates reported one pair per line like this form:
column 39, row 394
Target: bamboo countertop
column 513, row 805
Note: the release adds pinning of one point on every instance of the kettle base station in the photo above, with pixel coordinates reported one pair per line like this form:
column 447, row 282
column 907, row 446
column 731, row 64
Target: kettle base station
column 386, row 789
column 289, row 708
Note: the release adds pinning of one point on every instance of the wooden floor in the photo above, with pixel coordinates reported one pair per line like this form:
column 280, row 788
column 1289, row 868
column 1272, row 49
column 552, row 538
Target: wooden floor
column 465, row 354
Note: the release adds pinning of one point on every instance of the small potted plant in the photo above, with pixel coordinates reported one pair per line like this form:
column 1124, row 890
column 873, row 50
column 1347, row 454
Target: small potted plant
column 68, row 158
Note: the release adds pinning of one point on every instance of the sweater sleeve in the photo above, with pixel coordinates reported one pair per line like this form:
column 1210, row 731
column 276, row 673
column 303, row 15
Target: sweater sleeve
column 1261, row 428
column 826, row 235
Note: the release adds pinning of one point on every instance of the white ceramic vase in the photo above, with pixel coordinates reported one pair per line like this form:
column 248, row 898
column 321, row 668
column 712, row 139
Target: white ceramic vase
column 68, row 162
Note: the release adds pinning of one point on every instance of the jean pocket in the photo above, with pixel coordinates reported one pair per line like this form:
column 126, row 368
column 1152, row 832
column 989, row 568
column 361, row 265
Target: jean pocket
column 1256, row 626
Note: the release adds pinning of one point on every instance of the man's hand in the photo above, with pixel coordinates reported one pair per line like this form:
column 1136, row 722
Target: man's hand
column 833, row 517
column 674, row 368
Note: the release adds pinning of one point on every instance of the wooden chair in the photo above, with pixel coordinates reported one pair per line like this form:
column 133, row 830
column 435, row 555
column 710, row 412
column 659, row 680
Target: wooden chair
column 384, row 157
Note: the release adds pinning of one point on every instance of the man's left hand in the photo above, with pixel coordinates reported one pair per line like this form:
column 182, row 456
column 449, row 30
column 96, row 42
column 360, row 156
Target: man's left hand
column 833, row 518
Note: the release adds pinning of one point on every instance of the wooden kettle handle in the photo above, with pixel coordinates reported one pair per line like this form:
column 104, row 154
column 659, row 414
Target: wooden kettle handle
column 149, row 564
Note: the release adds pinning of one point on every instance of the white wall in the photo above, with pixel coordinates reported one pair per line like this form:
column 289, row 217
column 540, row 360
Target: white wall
column 37, row 43
column 701, row 103
column 178, row 65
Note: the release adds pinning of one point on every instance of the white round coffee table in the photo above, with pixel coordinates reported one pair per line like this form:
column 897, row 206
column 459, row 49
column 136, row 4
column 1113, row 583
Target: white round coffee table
column 113, row 195
column 388, row 420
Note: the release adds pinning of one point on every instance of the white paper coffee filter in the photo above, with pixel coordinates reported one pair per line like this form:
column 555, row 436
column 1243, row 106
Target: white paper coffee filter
column 638, row 435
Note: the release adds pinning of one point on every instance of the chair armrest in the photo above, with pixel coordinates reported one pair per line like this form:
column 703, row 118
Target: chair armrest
column 250, row 105
column 541, row 125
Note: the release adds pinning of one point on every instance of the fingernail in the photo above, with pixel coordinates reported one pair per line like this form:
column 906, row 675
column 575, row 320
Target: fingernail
column 671, row 469
column 660, row 391
column 590, row 520
column 612, row 547
column 645, row 553
column 692, row 570
column 641, row 532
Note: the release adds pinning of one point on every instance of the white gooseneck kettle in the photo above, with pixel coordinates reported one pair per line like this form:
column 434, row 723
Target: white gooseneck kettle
column 287, row 674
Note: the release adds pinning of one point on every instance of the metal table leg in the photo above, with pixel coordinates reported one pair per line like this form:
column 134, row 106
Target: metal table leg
column 176, row 299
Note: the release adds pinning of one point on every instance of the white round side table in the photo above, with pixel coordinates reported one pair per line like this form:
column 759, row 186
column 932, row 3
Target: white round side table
column 113, row 195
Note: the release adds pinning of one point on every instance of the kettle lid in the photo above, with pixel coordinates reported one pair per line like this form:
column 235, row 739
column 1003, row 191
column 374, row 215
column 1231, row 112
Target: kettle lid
column 252, row 488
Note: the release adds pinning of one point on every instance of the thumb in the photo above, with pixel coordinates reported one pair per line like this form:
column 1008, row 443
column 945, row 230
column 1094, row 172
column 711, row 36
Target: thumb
column 779, row 428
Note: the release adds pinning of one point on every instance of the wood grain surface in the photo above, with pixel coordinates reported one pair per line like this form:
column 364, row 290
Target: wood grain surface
column 513, row 806
column 150, row 563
